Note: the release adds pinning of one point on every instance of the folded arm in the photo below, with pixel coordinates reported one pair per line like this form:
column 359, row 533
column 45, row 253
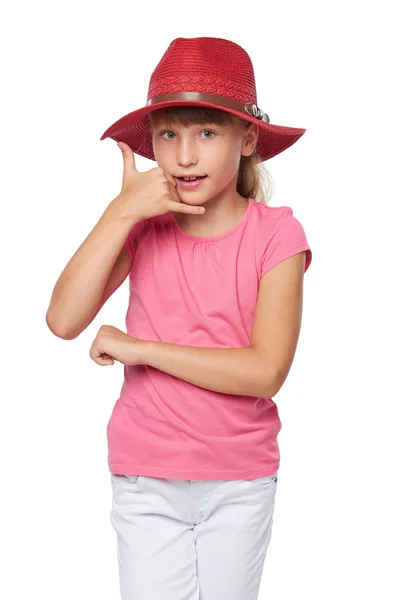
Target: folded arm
column 259, row 370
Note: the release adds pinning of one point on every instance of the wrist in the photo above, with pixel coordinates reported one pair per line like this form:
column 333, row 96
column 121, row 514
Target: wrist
column 125, row 212
column 144, row 350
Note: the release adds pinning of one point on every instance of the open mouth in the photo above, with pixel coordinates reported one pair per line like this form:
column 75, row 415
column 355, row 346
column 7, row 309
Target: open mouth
column 190, row 183
column 191, row 178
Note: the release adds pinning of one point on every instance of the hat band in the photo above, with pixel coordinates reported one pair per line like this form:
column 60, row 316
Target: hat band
column 247, row 107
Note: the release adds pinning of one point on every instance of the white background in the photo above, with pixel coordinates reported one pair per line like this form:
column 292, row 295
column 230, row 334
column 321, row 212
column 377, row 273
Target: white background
column 69, row 70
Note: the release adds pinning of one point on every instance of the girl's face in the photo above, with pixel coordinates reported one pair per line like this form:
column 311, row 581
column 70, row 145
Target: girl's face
column 210, row 150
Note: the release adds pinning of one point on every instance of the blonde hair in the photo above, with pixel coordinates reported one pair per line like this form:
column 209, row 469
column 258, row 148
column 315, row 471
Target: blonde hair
column 254, row 180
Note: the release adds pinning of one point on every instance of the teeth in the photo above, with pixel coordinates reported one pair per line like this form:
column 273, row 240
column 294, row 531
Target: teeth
column 189, row 178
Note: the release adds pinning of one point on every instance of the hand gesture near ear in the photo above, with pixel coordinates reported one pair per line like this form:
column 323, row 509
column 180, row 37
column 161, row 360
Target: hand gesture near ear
column 151, row 193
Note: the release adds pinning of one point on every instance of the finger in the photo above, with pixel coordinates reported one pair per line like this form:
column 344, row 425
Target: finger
column 128, row 157
column 173, row 193
column 106, row 359
column 185, row 208
column 170, row 179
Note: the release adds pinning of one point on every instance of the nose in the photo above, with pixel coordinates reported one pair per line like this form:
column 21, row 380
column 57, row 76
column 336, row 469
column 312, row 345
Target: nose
column 186, row 153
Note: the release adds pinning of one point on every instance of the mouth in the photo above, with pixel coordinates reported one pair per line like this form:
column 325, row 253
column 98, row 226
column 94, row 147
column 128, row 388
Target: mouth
column 190, row 183
column 191, row 177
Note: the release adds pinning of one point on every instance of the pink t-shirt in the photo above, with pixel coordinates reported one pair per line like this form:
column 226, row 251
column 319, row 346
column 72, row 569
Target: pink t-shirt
column 198, row 291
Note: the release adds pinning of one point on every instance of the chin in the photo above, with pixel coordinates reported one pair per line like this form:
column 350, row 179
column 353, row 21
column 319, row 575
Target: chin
column 191, row 200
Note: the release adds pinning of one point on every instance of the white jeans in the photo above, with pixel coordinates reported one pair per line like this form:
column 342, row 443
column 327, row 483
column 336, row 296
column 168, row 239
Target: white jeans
column 191, row 539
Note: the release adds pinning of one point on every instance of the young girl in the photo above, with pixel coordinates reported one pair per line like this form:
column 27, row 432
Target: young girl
column 213, row 321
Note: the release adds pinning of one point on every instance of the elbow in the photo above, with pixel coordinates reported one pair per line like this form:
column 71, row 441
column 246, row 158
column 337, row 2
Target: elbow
column 57, row 330
column 271, row 384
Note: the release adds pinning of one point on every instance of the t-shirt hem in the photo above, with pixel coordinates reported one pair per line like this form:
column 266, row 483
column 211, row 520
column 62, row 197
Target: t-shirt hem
column 147, row 471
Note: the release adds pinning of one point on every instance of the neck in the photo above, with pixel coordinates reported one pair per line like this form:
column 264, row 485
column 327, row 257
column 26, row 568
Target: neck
column 223, row 212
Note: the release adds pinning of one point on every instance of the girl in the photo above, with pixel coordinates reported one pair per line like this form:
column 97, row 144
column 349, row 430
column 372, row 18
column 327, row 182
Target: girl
column 214, row 316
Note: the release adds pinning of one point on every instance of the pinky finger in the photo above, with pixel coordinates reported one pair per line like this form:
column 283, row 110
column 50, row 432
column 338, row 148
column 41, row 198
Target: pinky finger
column 106, row 359
column 186, row 208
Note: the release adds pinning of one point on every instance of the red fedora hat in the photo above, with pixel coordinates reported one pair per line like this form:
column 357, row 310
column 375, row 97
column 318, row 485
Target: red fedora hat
column 203, row 71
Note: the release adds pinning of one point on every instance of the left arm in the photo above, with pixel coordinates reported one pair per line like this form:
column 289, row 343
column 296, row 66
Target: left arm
column 259, row 370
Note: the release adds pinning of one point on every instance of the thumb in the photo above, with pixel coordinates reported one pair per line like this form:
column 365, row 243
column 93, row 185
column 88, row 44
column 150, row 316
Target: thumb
column 128, row 157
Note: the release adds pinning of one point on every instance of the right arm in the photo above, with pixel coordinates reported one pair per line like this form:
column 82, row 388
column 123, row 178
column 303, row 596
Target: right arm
column 101, row 264
column 92, row 275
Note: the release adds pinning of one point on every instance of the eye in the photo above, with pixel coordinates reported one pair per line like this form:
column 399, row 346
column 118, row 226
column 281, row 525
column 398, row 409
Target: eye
column 208, row 131
column 168, row 138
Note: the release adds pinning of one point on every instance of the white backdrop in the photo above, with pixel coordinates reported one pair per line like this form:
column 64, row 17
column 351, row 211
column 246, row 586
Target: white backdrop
column 68, row 72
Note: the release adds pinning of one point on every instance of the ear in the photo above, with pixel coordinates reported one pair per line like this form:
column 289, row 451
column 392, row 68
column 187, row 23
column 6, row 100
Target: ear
column 250, row 140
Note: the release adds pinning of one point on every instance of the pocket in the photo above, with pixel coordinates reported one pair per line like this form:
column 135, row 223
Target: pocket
column 264, row 482
column 116, row 478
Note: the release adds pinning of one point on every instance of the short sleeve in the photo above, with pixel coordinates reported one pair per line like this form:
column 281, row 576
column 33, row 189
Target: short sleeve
column 131, row 242
column 286, row 239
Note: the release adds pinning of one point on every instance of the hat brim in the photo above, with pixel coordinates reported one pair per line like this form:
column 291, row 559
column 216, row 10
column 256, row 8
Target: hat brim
column 134, row 129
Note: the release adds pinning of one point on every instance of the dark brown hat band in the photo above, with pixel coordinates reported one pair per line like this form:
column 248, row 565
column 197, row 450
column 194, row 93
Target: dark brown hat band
column 223, row 101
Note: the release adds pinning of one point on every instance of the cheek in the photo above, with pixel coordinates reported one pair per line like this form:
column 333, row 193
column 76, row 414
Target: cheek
column 161, row 156
column 226, row 155
column 156, row 151
column 225, row 165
